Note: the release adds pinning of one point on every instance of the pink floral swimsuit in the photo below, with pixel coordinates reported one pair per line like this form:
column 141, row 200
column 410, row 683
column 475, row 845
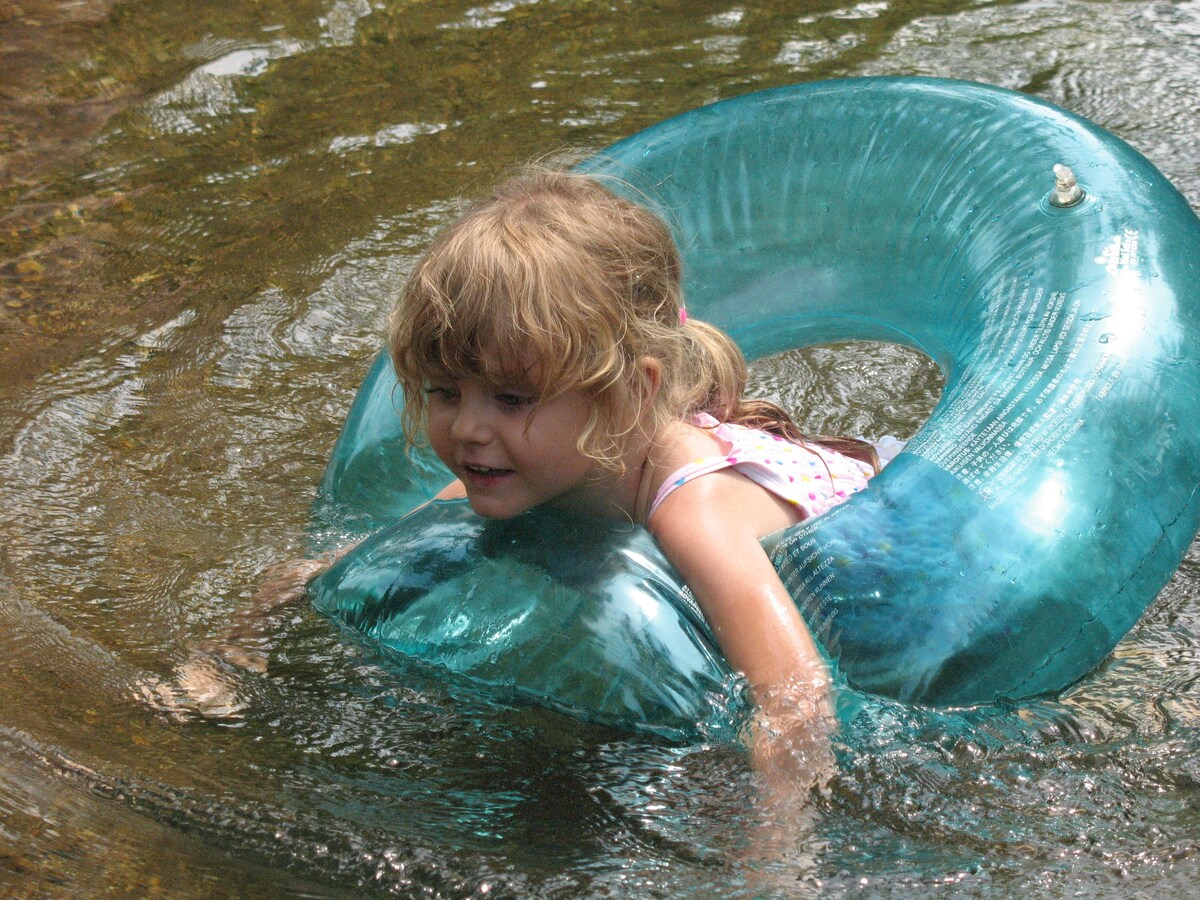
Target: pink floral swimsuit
column 812, row 478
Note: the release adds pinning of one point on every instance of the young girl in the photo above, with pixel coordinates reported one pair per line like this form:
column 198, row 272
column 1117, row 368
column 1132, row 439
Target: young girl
column 546, row 355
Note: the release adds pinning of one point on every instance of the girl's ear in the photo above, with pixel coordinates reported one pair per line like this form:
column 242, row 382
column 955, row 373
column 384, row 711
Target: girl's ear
column 649, row 380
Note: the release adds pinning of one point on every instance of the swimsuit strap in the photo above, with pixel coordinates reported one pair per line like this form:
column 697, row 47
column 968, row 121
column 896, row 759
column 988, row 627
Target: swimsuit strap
column 695, row 468
column 811, row 478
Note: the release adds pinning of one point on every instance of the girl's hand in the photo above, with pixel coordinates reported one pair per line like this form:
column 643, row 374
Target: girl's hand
column 791, row 741
column 791, row 751
column 206, row 683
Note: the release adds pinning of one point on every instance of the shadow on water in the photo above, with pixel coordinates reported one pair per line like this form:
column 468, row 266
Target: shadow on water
column 205, row 212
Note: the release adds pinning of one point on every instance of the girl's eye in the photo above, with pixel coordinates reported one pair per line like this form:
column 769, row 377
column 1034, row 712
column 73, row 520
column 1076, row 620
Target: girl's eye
column 514, row 401
column 441, row 392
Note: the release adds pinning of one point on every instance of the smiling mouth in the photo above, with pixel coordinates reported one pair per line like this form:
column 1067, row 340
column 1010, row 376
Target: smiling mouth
column 485, row 471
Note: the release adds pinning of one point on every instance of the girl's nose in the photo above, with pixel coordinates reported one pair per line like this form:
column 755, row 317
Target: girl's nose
column 470, row 425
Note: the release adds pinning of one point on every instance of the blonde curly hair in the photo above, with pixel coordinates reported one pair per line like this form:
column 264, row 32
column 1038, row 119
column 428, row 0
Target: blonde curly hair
column 555, row 275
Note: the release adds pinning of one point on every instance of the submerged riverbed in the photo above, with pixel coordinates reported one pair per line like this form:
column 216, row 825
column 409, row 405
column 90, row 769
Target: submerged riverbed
column 206, row 210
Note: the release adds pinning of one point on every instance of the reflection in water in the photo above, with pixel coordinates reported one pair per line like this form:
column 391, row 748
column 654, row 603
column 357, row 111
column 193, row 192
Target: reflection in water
column 205, row 215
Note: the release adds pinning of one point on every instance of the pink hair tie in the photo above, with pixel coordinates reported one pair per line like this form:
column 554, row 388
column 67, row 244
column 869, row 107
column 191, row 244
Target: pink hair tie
column 682, row 315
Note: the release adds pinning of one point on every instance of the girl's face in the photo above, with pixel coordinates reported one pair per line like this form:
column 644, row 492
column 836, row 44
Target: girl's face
column 510, row 452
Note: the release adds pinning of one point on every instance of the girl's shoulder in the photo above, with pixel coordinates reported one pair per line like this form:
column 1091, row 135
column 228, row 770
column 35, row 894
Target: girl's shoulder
column 685, row 442
column 696, row 484
column 703, row 438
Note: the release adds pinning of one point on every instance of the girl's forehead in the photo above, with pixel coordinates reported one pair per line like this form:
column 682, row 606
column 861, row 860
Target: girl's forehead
column 493, row 370
column 497, row 362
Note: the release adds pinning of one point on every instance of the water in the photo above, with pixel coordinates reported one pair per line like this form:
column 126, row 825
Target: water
column 205, row 211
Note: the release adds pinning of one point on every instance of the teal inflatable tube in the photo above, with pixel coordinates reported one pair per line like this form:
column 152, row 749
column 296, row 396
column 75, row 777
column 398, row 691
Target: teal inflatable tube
column 1028, row 524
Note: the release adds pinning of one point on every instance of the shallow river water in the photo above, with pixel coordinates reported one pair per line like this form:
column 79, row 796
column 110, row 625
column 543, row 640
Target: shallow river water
column 206, row 208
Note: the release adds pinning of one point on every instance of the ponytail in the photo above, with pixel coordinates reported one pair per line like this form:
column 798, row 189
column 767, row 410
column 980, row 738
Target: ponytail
column 715, row 371
column 717, row 377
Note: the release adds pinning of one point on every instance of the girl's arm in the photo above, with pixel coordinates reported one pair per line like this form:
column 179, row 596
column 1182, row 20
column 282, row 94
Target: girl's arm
column 710, row 529
column 287, row 581
column 199, row 683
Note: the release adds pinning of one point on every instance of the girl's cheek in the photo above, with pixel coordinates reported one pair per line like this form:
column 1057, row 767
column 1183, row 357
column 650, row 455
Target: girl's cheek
column 437, row 424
